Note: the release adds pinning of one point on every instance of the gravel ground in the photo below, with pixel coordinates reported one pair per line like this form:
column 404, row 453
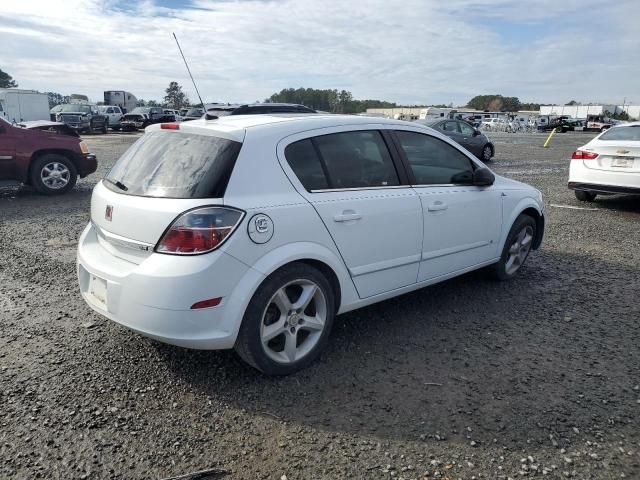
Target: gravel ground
column 466, row 379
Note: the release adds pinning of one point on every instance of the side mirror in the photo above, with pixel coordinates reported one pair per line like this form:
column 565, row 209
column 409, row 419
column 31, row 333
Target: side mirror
column 476, row 132
column 483, row 177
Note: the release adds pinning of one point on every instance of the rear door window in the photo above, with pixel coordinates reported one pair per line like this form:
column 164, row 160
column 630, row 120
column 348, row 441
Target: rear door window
column 305, row 163
column 358, row 159
column 434, row 162
column 175, row 165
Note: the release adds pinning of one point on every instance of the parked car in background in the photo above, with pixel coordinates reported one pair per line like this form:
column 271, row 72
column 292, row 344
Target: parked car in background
column 141, row 117
column 82, row 117
column 47, row 155
column 113, row 114
column 185, row 246
column 222, row 110
column 269, row 108
column 175, row 113
column 494, row 123
column 195, row 113
column 466, row 135
column 608, row 164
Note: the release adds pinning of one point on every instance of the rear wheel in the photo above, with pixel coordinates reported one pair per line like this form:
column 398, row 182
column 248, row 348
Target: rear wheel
column 53, row 174
column 585, row 196
column 288, row 321
column 516, row 248
column 105, row 126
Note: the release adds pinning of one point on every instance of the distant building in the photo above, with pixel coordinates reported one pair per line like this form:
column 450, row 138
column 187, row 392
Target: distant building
column 581, row 111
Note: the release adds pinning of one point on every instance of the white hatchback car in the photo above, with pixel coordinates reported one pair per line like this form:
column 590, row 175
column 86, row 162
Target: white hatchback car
column 254, row 231
column 608, row 164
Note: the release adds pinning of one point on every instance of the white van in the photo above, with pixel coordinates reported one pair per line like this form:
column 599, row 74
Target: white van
column 23, row 105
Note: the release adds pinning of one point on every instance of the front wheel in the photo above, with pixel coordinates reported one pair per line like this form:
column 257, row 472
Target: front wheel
column 585, row 196
column 487, row 153
column 53, row 174
column 105, row 126
column 516, row 248
column 288, row 321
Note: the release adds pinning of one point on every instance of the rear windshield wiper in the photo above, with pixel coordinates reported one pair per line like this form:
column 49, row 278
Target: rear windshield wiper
column 118, row 184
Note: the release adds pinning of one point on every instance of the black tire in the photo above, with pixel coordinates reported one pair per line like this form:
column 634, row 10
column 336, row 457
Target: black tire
column 499, row 270
column 105, row 126
column 48, row 160
column 487, row 153
column 249, row 344
column 585, row 196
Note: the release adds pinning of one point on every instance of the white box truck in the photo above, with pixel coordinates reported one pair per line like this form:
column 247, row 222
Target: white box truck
column 23, row 105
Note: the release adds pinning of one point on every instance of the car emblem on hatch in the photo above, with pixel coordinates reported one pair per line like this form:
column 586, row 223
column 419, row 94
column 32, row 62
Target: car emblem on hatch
column 108, row 213
column 623, row 151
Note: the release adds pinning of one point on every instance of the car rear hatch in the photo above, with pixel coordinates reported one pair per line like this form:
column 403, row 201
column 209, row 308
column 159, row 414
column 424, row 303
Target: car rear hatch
column 164, row 173
column 623, row 157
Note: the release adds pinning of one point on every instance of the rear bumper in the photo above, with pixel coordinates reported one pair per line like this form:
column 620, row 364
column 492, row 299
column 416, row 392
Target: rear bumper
column 593, row 187
column 582, row 177
column 154, row 297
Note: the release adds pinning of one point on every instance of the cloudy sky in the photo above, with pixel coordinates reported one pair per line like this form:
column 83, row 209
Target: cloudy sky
column 407, row 51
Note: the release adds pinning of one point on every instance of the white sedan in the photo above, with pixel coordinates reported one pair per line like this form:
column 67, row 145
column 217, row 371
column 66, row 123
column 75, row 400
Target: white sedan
column 253, row 231
column 608, row 164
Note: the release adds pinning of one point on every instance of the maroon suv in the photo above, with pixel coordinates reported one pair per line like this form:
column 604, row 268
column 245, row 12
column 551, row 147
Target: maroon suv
column 47, row 155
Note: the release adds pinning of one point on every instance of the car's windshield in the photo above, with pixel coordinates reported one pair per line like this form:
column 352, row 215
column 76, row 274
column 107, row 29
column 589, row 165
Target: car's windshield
column 140, row 110
column 75, row 107
column 622, row 133
column 175, row 165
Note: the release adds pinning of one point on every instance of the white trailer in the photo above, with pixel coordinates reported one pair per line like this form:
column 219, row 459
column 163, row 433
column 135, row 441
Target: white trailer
column 125, row 100
column 23, row 105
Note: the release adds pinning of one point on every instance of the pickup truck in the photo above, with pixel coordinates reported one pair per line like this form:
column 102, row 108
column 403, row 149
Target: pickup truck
column 141, row 117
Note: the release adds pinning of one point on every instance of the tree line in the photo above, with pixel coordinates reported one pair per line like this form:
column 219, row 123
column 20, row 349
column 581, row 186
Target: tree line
column 328, row 100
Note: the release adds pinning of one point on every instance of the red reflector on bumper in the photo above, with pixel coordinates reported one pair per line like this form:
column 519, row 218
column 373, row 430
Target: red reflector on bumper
column 212, row 302
column 169, row 126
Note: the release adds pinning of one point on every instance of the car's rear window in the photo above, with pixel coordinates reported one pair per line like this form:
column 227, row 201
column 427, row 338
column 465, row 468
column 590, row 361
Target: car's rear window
column 631, row 134
column 175, row 165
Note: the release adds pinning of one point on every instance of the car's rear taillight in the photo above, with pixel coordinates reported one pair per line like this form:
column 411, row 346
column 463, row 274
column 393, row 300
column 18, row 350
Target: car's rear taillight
column 170, row 126
column 583, row 155
column 199, row 231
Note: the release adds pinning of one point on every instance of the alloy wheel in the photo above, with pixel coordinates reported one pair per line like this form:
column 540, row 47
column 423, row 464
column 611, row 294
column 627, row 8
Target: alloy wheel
column 486, row 153
column 519, row 250
column 55, row 175
column 293, row 321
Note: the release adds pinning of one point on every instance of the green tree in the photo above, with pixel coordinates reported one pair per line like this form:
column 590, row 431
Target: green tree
column 329, row 100
column 572, row 103
column 6, row 81
column 495, row 103
column 152, row 103
column 56, row 99
column 175, row 97
column 141, row 103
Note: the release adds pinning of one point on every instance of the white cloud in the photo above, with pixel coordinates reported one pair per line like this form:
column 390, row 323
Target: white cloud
column 406, row 51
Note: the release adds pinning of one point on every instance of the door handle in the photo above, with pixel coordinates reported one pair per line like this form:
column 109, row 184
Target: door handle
column 437, row 206
column 347, row 215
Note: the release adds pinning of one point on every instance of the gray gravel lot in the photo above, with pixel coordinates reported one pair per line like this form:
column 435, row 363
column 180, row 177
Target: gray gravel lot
column 468, row 379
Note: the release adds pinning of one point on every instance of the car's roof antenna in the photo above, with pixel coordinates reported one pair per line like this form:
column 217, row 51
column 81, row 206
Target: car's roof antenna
column 187, row 65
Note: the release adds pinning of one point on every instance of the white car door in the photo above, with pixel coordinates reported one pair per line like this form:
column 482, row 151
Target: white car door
column 373, row 216
column 462, row 222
